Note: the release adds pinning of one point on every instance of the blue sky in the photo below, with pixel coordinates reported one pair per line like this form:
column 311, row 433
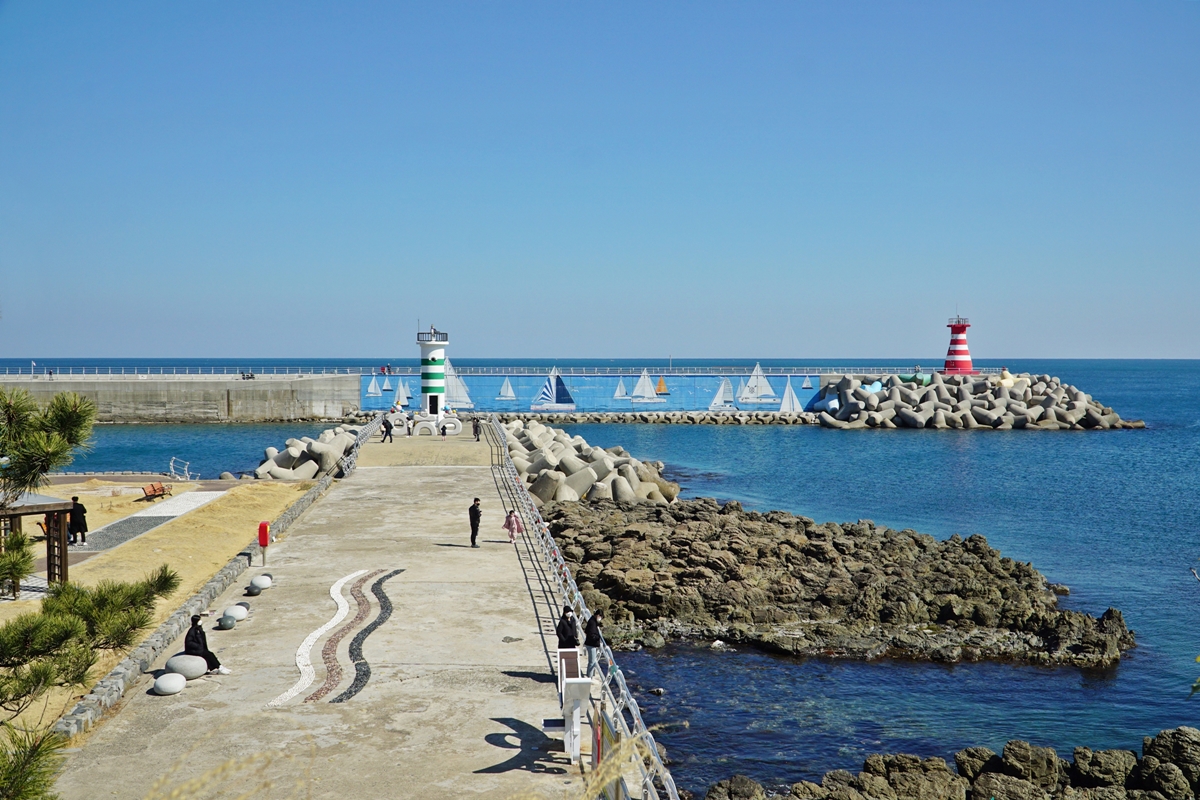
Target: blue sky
column 638, row 180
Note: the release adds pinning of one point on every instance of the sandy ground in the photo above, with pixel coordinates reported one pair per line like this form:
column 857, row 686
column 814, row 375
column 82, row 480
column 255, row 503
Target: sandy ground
column 107, row 501
column 456, row 451
column 460, row 675
column 195, row 545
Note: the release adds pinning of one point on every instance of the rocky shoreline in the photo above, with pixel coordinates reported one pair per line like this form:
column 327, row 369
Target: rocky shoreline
column 694, row 569
column 1169, row 769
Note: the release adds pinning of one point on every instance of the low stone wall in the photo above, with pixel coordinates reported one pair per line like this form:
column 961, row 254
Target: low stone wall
column 666, row 417
column 109, row 690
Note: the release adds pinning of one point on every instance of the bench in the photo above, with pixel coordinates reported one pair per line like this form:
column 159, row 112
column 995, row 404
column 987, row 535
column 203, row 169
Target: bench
column 156, row 490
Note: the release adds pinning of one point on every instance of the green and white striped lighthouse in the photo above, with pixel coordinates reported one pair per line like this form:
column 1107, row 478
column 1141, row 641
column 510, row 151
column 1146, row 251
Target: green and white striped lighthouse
column 433, row 370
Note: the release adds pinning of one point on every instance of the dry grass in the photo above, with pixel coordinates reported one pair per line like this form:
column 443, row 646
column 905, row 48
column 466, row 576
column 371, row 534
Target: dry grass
column 195, row 545
column 103, row 506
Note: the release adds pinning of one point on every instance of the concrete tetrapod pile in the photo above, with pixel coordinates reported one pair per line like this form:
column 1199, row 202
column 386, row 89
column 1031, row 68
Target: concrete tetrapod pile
column 999, row 402
column 558, row 467
column 303, row 458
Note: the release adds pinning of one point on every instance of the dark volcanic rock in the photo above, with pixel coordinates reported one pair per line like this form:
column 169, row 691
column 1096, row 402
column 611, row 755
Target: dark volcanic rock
column 783, row 582
column 1166, row 771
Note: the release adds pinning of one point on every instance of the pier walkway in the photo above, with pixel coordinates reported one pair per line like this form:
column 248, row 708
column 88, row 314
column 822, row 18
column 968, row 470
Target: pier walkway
column 443, row 698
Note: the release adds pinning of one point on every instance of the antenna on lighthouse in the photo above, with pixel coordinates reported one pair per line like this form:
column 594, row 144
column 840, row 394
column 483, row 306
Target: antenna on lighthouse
column 958, row 357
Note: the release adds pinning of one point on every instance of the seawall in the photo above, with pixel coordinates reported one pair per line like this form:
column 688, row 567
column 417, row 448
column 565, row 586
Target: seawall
column 203, row 398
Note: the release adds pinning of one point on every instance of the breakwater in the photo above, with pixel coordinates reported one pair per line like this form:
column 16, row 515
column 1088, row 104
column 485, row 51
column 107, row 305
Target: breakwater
column 999, row 402
column 1168, row 769
column 696, row 569
column 667, row 417
column 564, row 468
column 202, row 398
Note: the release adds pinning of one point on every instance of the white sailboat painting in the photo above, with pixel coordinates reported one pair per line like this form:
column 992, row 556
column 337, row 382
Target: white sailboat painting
column 373, row 388
column 401, row 398
column 758, row 389
column 621, row 394
column 554, row 395
column 387, row 384
column 644, row 391
column 807, row 383
column 456, row 390
column 790, row 403
column 506, row 391
column 723, row 401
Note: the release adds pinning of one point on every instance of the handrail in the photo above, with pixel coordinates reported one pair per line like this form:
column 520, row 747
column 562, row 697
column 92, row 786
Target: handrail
column 348, row 462
column 615, row 692
column 276, row 373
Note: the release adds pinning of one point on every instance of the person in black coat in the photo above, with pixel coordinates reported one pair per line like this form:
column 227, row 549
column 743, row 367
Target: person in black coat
column 591, row 640
column 567, row 630
column 195, row 643
column 475, row 513
column 387, row 432
column 77, row 522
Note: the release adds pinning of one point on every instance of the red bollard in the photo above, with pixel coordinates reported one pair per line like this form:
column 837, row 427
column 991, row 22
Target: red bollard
column 264, row 538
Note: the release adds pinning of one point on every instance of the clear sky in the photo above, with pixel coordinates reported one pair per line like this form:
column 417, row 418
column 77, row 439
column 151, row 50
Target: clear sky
column 793, row 179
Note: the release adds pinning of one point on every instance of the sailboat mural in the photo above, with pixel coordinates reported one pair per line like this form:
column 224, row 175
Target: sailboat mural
column 807, row 383
column 506, row 391
column 758, row 389
column 554, row 395
column 790, row 403
column 644, row 391
column 621, row 394
column 723, row 401
column 456, row 390
column 661, row 388
column 387, row 384
column 402, row 395
column 373, row 388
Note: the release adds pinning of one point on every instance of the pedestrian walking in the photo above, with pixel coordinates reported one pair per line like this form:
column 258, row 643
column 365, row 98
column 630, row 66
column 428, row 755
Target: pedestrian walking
column 475, row 428
column 474, row 512
column 77, row 522
column 591, row 641
column 443, row 433
column 408, row 423
column 512, row 524
column 196, row 644
column 567, row 630
column 387, row 431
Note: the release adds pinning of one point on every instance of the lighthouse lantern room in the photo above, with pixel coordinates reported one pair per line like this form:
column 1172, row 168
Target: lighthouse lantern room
column 958, row 357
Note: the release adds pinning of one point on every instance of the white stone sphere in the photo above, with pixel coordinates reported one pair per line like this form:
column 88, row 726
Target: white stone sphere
column 170, row 683
column 261, row 581
column 237, row 612
column 190, row 667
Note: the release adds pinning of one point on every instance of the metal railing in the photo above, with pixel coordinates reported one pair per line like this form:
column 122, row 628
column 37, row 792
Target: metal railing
column 348, row 462
column 178, row 469
column 616, row 699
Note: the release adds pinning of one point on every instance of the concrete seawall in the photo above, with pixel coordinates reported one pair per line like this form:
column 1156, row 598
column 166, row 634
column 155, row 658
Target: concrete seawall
column 195, row 398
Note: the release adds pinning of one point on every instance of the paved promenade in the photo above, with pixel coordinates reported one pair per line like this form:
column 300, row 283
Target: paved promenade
column 450, row 689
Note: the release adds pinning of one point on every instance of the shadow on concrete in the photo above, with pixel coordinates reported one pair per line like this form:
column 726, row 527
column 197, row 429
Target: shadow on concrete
column 539, row 677
column 442, row 544
column 532, row 746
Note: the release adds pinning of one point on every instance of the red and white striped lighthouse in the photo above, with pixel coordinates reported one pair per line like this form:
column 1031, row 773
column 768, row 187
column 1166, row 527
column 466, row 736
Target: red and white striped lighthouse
column 958, row 357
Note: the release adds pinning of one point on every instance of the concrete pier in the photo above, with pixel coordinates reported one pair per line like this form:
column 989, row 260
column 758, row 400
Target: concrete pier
column 202, row 398
column 459, row 673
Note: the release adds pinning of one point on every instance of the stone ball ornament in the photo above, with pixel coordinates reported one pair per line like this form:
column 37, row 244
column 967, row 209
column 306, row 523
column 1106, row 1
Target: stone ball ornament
column 169, row 683
column 190, row 667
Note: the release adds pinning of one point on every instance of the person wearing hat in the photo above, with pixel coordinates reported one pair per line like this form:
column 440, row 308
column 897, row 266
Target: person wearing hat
column 77, row 522
column 196, row 644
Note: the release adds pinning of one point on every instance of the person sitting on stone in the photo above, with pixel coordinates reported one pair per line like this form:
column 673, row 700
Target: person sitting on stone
column 196, row 644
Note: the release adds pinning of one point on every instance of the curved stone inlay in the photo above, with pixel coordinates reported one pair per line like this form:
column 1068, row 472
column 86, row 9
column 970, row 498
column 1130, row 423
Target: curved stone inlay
column 362, row 670
column 333, row 670
column 303, row 660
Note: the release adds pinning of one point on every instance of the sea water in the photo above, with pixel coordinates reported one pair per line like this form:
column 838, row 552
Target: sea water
column 1111, row 514
column 1114, row 515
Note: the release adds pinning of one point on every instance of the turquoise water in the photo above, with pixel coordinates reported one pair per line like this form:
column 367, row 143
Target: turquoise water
column 1111, row 514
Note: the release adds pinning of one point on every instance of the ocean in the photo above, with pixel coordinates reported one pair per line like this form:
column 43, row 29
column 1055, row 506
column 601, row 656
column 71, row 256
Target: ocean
column 1111, row 514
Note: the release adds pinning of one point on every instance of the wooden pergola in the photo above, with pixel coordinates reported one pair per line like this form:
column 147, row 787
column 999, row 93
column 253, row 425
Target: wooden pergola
column 55, row 517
